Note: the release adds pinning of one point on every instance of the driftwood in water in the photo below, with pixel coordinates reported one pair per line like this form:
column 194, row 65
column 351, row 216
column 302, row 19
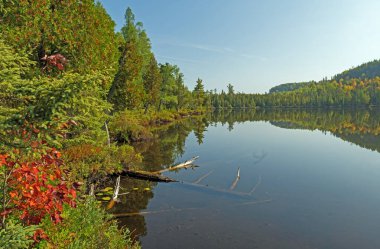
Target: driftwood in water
column 113, row 201
column 119, row 215
column 203, row 177
column 254, row 202
column 145, row 175
column 156, row 176
column 256, row 186
column 152, row 212
column 233, row 186
column 185, row 165
column 229, row 192
column 216, row 190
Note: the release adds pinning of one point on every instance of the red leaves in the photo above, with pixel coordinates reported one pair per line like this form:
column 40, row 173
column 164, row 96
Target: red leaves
column 55, row 61
column 39, row 235
column 3, row 159
column 38, row 188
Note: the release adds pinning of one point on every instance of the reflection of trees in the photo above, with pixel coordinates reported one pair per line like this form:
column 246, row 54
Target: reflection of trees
column 200, row 128
column 158, row 153
column 361, row 127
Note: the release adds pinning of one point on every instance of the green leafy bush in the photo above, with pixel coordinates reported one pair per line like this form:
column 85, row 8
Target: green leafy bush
column 16, row 236
column 86, row 226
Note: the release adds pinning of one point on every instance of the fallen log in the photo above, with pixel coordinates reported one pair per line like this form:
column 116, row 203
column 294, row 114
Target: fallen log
column 185, row 165
column 145, row 175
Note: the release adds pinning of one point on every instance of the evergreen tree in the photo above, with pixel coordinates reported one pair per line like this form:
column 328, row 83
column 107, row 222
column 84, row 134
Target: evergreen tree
column 199, row 93
column 152, row 83
column 127, row 90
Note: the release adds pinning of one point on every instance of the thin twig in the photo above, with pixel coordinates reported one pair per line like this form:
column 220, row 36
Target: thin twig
column 203, row 177
column 254, row 202
column 256, row 186
column 108, row 134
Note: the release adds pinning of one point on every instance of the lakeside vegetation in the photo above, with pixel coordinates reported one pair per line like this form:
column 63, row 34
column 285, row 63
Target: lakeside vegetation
column 75, row 95
column 67, row 79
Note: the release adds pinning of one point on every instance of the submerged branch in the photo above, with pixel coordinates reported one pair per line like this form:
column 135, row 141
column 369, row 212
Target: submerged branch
column 254, row 202
column 233, row 186
column 203, row 177
column 152, row 212
column 256, row 186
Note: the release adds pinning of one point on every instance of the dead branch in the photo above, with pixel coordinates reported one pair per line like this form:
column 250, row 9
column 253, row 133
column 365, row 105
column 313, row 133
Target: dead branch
column 152, row 212
column 256, row 186
column 203, row 177
column 233, row 186
column 254, row 202
column 216, row 190
column 92, row 189
column 184, row 209
column 117, row 188
column 108, row 134
column 185, row 165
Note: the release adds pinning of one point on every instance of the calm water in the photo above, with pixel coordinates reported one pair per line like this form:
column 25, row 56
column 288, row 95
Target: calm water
column 315, row 176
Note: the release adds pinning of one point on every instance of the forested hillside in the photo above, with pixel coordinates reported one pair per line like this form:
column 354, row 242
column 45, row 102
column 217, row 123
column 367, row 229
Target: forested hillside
column 367, row 70
column 357, row 87
column 286, row 87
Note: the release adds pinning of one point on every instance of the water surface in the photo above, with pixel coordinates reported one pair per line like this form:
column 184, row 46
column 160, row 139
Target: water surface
column 315, row 176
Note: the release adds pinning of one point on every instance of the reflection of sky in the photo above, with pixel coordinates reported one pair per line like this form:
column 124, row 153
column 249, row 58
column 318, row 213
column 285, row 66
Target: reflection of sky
column 324, row 190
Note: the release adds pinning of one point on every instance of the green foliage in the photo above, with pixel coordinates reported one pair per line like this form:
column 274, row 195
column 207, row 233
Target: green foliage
column 13, row 68
column 85, row 226
column 85, row 159
column 16, row 236
column 348, row 93
column 231, row 100
column 168, row 97
column 367, row 70
column 199, row 93
column 137, row 73
column 130, row 126
column 63, row 107
column 80, row 30
column 152, row 83
column 289, row 87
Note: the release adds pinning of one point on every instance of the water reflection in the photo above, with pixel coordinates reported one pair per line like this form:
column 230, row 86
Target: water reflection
column 160, row 152
column 168, row 146
column 361, row 127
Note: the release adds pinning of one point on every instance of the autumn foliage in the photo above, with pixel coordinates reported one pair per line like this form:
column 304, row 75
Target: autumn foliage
column 37, row 187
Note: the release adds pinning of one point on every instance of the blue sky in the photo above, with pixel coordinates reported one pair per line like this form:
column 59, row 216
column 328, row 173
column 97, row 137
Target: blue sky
column 255, row 45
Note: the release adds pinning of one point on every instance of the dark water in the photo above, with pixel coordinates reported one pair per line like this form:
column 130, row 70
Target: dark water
column 315, row 176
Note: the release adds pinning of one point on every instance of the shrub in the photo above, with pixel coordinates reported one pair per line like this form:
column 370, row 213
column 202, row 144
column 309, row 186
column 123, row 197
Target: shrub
column 16, row 236
column 86, row 226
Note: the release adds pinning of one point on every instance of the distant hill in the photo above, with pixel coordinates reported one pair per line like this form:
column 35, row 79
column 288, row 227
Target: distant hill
column 286, row 87
column 367, row 70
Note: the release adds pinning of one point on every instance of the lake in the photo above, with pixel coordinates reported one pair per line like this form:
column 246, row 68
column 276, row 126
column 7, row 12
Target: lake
column 308, row 179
